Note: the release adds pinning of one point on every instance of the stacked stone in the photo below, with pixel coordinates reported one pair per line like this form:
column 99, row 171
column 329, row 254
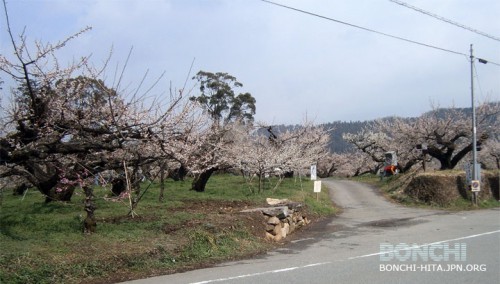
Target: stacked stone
column 282, row 218
column 282, row 221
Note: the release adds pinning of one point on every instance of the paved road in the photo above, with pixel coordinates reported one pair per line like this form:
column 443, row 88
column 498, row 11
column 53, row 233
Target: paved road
column 371, row 242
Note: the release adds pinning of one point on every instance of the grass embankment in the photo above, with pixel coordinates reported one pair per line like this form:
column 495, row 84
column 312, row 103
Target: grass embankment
column 43, row 243
column 394, row 188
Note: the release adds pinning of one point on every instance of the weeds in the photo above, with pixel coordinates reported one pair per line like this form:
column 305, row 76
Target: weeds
column 43, row 243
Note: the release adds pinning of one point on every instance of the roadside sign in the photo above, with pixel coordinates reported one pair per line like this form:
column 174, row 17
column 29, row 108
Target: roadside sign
column 475, row 186
column 313, row 172
column 317, row 186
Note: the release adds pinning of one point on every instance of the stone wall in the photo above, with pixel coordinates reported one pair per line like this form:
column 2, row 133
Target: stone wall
column 279, row 228
column 281, row 219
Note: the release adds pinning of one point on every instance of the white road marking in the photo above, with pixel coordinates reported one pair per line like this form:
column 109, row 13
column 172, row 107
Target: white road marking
column 430, row 244
column 329, row 262
column 261, row 273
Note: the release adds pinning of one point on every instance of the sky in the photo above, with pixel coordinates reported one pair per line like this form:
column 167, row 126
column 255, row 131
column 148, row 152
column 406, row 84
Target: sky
column 297, row 66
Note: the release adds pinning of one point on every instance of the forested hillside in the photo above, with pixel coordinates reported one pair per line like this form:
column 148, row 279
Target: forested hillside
column 338, row 128
column 337, row 144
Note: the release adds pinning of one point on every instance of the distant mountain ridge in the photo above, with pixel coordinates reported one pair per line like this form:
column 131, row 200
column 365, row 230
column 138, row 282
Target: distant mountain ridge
column 338, row 145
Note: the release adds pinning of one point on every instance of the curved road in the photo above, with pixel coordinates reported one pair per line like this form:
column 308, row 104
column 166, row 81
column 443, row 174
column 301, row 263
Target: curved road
column 371, row 242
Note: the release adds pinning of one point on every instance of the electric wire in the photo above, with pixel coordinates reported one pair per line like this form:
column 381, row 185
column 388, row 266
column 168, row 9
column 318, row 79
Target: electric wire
column 363, row 28
column 374, row 31
column 445, row 19
column 477, row 80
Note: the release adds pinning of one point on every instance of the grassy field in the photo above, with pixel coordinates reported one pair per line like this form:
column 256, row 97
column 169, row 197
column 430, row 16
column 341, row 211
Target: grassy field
column 44, row 243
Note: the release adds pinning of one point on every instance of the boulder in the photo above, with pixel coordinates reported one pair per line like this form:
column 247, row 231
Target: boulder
column 269, row 236
column 280, row 212
column 274, row 202
column 277, row 230
column 285, row 230
column 269, row 227
column 279, row 236
column 273, row 221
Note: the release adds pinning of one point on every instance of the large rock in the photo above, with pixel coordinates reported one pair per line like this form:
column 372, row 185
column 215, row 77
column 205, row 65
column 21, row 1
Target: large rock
column 280, row 212
column 275, row 202
column 269, row 236
column 278, row 233
column 285, row 230
column 269, row 227
column 277, row 230
column 273, row 221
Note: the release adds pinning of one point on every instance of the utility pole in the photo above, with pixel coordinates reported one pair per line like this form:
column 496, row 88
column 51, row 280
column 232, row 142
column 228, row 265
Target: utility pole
column 474, row 130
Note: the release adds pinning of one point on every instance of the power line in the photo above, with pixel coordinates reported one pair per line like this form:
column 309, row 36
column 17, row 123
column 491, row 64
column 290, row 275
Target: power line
column 477, row 80
column 445, row 19
column 374, row 31
column 363, row 28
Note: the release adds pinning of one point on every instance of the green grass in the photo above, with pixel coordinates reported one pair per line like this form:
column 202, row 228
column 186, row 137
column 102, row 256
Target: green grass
column 44, row 243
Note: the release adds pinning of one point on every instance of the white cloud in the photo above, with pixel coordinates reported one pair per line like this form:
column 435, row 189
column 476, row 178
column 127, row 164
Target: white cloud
column 291, row 62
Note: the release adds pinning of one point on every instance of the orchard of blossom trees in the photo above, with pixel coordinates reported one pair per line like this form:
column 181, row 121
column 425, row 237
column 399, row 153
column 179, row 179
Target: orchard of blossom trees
column 445, row 132
column 66, row 127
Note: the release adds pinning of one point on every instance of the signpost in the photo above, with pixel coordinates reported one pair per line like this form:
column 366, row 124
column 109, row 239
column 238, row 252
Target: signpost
column 475, row 186
column 317, row 188
column 474, row 183
column 313, row 172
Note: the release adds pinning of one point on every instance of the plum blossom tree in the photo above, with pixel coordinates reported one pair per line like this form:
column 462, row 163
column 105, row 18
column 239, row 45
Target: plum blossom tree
column 447, row 135
column 303, row 146
column 360, row 164
column 293, row 150
column 371, row 143
column 190, row 144
column 490, row 154
column 336, row 164
column 64, row 126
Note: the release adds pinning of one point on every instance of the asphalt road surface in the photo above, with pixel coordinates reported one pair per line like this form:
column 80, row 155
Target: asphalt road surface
column 372, row 241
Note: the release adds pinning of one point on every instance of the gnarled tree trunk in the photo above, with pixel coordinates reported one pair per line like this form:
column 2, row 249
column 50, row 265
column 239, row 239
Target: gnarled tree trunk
column 89, row 224
column 200, row 181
